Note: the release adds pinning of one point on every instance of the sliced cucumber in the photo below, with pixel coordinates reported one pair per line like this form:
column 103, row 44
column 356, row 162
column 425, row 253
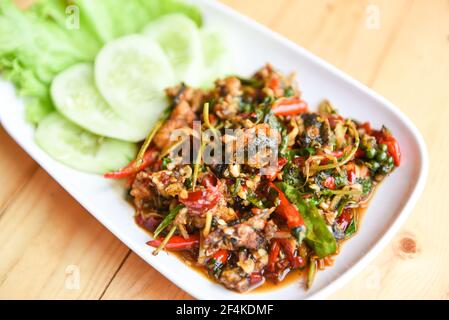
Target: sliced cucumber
column 131, row 73
column 75, row 95
column 218, row 58
column 70, row 144
column 180, row 39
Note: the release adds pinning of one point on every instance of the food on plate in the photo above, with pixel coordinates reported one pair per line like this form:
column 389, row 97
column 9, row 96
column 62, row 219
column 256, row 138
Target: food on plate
column 236, row 174
column 248, row 184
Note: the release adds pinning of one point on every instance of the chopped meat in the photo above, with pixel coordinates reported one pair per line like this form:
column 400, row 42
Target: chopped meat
column 262, row 142
column 270, row 229
column 260, row 145
column 146, row 196
column 228, row 97
column 168, row 183
column 236, row 279
column 243, row 235
column 182, row 116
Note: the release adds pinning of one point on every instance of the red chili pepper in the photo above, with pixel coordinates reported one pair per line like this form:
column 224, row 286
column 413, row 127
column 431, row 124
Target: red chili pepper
column 288, row 210
column 384, row 136
column 329, row 183
column 288, row 245
column 255, row 277
column 201, row 200
column 273, row 255
column 289, row 106
column 133, row 168
column 221, row 256
column 130, row 180
column 338, row 154
column 282, row 162
column 366, row 126
column 351, row 176
column 345, row 218
column 273, row 83
column 177, row 242
column 209, row 181
column 392, row 148
column 359, row 153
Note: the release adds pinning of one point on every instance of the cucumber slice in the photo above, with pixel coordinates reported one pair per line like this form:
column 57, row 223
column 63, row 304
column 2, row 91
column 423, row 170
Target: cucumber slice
column 75, row 95
column 131, row 73
column 218, row 58
column 180, row 39
column 70, row 144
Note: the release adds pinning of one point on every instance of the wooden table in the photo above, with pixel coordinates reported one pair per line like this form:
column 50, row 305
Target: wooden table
column 399, row 48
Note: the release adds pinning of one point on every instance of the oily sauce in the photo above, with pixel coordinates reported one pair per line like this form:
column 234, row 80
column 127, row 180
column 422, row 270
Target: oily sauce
column 295, row 276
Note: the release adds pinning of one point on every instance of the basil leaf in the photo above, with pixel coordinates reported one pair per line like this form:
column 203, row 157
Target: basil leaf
column 167, row 220
column 352, row 228
column 318, row 236
column 254, row 200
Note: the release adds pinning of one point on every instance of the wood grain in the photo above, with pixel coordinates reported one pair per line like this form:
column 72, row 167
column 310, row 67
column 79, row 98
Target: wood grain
column 405, row 57
column 45, row 237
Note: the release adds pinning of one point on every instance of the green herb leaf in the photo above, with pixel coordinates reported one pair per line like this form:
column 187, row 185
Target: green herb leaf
column 168, row 219
column 352, row 228
column 289, row 92
column 236, row 187
column 318, row 236
column 254, row 200
column 366, row 183
column 165, row 162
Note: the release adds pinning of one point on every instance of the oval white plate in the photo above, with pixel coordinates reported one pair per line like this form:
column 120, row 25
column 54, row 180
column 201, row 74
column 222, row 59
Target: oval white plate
column 255, row 45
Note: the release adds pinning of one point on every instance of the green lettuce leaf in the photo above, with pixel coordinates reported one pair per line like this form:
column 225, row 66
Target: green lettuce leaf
column 111, row 19
column 36, row 44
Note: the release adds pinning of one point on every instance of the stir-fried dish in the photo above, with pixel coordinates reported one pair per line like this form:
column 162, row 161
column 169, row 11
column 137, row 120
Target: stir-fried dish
column 248, row 184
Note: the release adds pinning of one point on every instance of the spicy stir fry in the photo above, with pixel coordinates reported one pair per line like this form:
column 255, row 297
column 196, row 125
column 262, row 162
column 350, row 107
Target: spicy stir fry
column 284, row 192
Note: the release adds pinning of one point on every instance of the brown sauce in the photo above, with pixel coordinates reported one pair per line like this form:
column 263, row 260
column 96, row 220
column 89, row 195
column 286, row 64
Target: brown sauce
column 295, row 276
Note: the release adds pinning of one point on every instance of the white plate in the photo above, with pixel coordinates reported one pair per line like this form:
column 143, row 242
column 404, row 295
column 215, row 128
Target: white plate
column 255, row 45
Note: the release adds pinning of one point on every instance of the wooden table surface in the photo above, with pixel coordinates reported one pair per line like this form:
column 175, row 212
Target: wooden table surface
column 400, row 48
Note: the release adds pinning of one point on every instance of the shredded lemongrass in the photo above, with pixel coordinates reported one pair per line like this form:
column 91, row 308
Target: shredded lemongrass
column 168, row 149
column 347, row 157
column 197, row 165
column 183, row 231
column 309, row 170
column 208, row 223
column 166, row 239
column 201, row 251
column 293, row 133
column 353, row 192
column 207, row 122
column 311, row 273
column 150, row 214
column 147, row 142
column 335, row 201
